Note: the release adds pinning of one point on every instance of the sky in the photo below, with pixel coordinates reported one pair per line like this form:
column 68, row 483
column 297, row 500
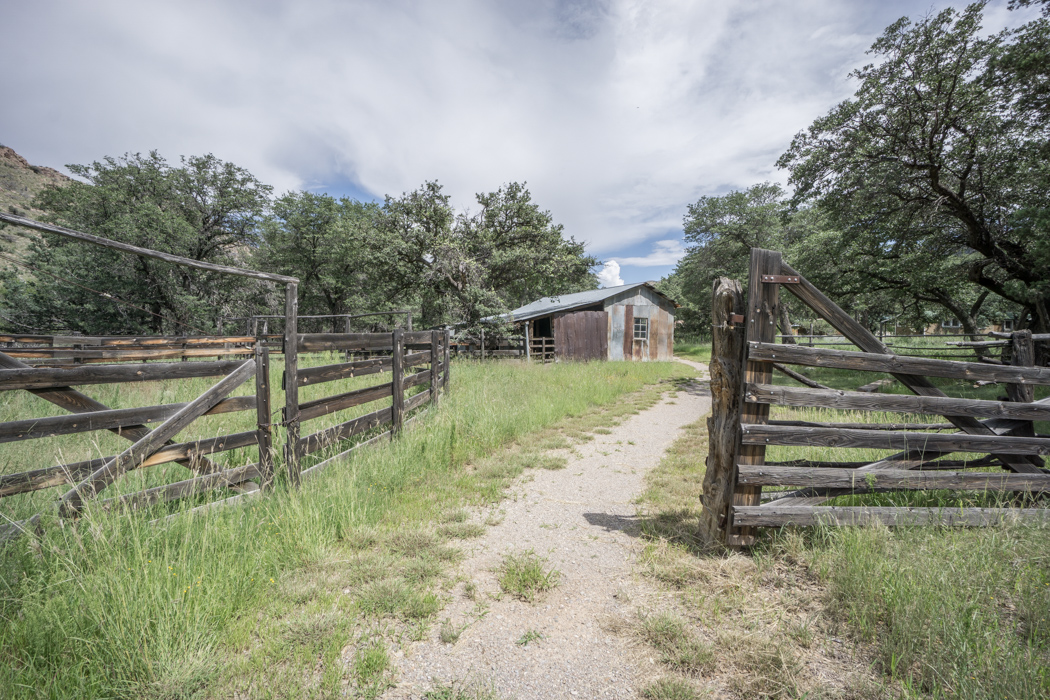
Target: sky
column 616, row 113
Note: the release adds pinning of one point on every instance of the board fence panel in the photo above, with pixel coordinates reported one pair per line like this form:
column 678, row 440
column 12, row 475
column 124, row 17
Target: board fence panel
column 1008, row 452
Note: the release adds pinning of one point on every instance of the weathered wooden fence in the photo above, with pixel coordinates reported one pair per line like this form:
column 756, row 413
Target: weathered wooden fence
column 744, row 358
column 126, row 363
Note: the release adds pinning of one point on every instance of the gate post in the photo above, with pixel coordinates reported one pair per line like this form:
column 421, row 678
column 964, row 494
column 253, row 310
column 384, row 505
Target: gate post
column 723, row 425
column 262, row 411
column 397, row 373
column 291, row 381
column 763, row 301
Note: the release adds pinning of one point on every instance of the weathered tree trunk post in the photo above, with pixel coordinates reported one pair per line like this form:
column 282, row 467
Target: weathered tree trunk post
column 1023, row 355
column 346, row 355
column 528, row 341
column 291, row 381
column 723, row 425
column 435, row 366
column 397, row 371
column 763, row 301
column 483, row 343
column 262, row 411
column 409, row 321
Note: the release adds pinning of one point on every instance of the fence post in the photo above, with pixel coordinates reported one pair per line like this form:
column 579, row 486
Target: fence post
column 723, row 425
column 763, row 299
column 483, row 343
column 397, row 371
column 446, row 364
column 346, row 355
column 528, row 342
column 291, row 381
column 262, row 412
column 1022, row 354
column 435, row 367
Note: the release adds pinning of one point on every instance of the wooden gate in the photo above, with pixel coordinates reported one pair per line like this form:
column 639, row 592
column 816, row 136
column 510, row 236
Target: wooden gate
column 1002, row 453
column 582, row 336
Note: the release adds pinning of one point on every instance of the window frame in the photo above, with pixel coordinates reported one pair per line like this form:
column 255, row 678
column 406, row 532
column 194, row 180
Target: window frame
column 644, row 329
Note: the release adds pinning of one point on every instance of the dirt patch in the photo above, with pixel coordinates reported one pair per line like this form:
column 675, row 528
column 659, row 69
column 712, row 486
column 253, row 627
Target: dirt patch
column 581, row 522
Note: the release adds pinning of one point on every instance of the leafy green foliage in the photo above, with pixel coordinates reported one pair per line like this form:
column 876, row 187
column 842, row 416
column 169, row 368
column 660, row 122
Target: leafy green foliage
column 204, row 209
column 935, row 170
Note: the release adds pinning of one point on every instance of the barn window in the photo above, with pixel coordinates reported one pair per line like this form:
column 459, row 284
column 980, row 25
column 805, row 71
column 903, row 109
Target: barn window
column 641, row 329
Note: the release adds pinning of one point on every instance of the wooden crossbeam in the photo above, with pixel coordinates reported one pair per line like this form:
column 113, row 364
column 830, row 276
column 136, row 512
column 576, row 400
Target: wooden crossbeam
column 131, row 457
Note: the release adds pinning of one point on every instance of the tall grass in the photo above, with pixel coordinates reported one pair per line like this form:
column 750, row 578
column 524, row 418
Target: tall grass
column 115, row 607
column 950, row 613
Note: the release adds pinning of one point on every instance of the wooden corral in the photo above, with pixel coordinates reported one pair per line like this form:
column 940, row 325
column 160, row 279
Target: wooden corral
column 744, row 358
column 60, row 363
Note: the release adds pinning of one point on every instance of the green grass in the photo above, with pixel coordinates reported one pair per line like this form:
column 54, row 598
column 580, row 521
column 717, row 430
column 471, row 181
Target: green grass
column 526, row 575
column 933, row 612
column 951, row 613
column 292, row 594
column 697, row 352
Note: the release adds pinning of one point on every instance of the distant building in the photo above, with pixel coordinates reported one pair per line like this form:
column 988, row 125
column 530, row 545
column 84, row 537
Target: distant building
column 630, row 322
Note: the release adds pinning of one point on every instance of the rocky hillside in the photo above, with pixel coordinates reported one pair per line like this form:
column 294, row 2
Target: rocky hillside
column 20, row 182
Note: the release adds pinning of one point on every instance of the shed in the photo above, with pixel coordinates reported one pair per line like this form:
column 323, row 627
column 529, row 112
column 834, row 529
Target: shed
column 629, row 322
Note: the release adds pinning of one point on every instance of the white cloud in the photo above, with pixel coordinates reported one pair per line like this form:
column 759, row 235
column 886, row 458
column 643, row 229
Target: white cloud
column 666, row 252
column 609, row 275
column 617, row 112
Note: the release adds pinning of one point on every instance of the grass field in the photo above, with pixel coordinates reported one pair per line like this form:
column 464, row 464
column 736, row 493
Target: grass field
column 296, row 594
column 926, row 612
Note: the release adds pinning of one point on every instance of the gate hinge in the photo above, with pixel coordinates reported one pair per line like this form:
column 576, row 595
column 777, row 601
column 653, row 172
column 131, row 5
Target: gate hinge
column 782, row 279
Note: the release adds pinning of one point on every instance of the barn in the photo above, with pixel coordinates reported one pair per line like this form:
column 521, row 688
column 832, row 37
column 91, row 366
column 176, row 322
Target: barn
column 630, row 322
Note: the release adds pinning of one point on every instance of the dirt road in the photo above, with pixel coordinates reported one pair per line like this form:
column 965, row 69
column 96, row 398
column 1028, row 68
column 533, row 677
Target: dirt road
column 583, row 520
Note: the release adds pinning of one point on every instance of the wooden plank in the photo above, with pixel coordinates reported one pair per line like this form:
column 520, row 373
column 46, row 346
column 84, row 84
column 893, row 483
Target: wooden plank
column 777, row 516
column 799, row 377
column 76, row 402
column 329, row 436
column 446, row 363
column 320, row 342
column 397, row 373
column 339, row 402
column 862, row 338
column 897, row 364
column 761, row 327
column 345, row 370
column 34, row 378
column 188, row 454
column 291, row 383
column 180, row 489
column 897, row 403
column 723, row 425
column 435, row 366
column 263, row 426
column 855, row 481
column 416, row 378
column 134, row 455
column 124, row 355
column 111, row 419
column 145, row 252
column 416, row 401
column 866, row 426
column 755, row 434
column 207, row 507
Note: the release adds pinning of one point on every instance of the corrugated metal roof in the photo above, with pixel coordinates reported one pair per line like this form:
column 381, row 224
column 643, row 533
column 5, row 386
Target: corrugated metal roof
column 566, row 302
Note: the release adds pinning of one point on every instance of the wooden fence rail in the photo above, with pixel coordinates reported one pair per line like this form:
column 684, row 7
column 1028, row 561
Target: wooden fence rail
column 1000, row 434
column 412, row 359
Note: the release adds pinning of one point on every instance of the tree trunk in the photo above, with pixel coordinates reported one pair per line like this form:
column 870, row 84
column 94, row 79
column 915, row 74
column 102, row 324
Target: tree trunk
column 788, row 336
column 723, row 425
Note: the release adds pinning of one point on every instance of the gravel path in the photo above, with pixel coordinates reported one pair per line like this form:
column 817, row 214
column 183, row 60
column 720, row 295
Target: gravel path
column 583, row 519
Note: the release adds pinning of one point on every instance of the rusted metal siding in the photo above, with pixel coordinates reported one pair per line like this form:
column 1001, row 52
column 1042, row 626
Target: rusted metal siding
column 616, row 331
column 581, row 336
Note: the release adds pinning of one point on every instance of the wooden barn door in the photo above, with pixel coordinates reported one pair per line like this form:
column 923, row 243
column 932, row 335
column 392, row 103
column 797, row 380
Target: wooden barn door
column 582, row 336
